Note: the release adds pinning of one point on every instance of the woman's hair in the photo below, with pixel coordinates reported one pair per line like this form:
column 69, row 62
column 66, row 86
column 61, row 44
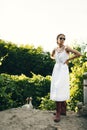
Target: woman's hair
column 59, row 35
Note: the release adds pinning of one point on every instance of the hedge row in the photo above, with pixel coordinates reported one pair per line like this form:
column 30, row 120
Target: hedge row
column 15, row 89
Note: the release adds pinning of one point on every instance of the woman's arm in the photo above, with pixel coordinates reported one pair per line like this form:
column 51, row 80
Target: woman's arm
column 75, row 52
column 52, row 54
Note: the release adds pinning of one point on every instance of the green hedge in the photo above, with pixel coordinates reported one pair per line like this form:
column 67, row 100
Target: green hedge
column 47, row 104
column 15, row 89
column 76, row 84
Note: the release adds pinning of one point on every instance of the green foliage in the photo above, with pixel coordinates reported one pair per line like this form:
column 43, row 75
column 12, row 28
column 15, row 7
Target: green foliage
column 19, row 62
column 42, row 87
column 76, row 77
column 24, row 59
column 76, row 84
column 47, row 104
column 15, row 89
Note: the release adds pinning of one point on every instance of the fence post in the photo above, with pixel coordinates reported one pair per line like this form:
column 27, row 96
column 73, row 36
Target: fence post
column 82, row 107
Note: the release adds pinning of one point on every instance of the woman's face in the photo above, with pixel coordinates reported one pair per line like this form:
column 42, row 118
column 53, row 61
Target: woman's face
column 61, row 40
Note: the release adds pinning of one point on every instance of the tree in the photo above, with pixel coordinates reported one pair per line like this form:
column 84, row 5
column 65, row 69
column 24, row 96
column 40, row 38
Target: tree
column 25, row 59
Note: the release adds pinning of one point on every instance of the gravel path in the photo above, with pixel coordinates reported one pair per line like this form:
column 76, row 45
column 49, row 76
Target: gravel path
column 24, row 119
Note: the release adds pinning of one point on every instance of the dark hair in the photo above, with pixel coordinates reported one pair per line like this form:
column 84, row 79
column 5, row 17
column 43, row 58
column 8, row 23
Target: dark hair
column 59, row 35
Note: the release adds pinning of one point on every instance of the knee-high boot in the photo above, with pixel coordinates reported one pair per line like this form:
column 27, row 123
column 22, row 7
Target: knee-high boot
column 63, row 108
column 58, row 111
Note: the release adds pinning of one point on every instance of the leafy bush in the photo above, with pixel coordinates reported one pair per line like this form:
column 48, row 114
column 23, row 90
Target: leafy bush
column 47, row 104
column 76, row 84
column 15, row 89
column 15, row 60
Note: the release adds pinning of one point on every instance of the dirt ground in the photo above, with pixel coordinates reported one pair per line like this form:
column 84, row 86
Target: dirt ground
column 25, row 119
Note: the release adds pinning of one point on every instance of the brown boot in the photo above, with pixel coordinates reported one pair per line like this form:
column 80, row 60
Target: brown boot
column 58, row 111
column 63, row 108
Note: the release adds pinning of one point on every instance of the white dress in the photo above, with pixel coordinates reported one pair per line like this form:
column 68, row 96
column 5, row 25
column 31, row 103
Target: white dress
column 59, row 90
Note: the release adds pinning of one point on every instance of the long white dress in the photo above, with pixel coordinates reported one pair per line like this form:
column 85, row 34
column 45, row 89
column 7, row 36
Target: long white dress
column 59, row 90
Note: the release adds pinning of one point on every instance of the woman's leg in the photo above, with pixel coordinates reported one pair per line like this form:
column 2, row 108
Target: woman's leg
column 63, row 108
column 58, row 111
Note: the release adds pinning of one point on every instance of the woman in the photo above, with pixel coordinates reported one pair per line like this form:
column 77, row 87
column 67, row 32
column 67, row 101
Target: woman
column 60, row 77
